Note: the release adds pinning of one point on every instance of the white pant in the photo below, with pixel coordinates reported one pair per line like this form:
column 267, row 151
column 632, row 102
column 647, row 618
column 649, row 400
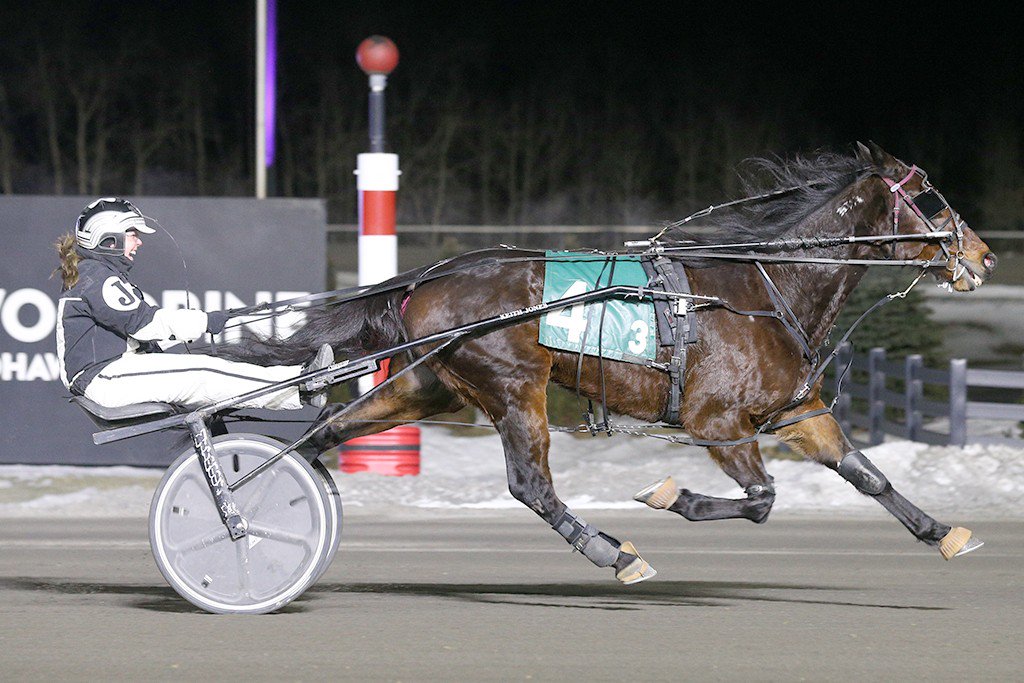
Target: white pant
column 190, row 380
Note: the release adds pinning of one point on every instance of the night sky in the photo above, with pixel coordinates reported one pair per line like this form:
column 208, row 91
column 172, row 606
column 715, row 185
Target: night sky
column 832, row 72
column 855, row 67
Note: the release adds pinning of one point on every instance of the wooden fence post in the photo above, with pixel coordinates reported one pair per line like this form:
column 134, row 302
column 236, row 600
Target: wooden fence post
column 844, row 357
column 957, row 402
column 876, row 388
column 913, row 392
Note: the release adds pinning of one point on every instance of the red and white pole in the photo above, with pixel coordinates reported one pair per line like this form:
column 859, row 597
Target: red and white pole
column 377, row 183
column 396, row 451
column 378, row 244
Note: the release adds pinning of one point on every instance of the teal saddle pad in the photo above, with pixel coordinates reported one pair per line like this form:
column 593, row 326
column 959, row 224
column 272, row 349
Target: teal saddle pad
column 628, row 332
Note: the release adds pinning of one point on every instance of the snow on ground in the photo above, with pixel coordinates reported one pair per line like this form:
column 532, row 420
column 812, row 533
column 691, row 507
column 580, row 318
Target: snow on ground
column 589, row 472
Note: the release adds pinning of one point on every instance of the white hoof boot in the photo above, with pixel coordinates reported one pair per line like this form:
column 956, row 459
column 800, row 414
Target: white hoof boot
column 959, row 541
column 638, row 570
column 660, row 495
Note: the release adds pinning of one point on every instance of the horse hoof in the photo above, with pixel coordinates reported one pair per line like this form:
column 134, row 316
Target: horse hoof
column 958, row 541
column 636, row 571
column 660, row 495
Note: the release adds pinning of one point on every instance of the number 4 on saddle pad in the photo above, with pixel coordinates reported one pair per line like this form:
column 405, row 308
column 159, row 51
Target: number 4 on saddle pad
column 628, row 332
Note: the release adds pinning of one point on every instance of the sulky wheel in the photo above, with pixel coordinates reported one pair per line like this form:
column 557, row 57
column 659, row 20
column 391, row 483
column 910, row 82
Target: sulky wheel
column 334, row 509
column 334, row 500
column 289, row 536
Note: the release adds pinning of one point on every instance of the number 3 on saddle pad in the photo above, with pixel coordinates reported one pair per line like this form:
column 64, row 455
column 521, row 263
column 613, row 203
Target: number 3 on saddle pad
column 629, row 330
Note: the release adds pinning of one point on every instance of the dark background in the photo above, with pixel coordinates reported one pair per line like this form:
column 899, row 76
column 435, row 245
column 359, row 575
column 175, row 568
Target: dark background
column 511, row 112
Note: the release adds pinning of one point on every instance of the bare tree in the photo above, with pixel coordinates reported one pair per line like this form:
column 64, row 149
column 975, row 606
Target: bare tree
column 529, row 137
column 193, row 90
column 486, row 157
column 88, row 83
column 101, row 136
column 449, row 124
column 318, row 139
column 45, row 77
column 152, row 122
column 738, row 136
column 686, row 136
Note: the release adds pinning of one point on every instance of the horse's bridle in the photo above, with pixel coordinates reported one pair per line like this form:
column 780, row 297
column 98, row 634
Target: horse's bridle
column 927, row 205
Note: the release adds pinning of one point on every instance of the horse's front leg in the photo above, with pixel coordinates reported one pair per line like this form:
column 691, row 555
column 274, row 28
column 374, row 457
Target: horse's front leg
column 821, row 439
column 743, row 463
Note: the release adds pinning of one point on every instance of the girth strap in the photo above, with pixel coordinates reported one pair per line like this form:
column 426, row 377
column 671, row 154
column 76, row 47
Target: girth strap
column 675, row 326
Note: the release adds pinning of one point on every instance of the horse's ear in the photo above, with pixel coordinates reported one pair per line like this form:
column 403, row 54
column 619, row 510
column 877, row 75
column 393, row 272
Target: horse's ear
column 881, row 158
column 863, row 153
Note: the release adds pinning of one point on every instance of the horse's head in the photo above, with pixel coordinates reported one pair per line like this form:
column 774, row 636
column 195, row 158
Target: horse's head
column 916, row 207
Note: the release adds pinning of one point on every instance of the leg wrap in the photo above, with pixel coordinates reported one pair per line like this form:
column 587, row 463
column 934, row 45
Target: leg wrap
column 862, row 473
column 586, row 539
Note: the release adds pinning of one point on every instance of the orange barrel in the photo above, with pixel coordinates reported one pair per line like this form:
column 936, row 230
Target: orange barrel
column 395, row 452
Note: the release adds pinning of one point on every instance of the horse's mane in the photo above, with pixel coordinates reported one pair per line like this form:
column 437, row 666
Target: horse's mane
column 817, row 179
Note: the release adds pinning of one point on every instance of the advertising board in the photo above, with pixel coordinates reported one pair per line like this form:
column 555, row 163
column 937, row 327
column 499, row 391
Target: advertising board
column 209, row 253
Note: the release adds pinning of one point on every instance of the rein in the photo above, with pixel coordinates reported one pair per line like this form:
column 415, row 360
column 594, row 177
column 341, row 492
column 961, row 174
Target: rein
column 434, row 272
column 926, row 205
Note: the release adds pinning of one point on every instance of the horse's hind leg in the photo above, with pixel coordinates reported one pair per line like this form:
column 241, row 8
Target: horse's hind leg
column 743, row 463
column 821, row 439
column 515, row 400
column 416, row 395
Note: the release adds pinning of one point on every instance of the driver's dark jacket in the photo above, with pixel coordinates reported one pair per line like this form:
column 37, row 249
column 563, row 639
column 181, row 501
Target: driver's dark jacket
column 96, row 318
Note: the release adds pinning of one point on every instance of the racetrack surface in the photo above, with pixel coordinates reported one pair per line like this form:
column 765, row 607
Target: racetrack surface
column 467, row 595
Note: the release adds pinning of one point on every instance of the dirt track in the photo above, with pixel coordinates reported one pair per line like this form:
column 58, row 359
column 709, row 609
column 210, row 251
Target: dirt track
column 467, row 596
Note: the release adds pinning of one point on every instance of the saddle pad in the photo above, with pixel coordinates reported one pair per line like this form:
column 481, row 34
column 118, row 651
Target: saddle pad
column 629, row 331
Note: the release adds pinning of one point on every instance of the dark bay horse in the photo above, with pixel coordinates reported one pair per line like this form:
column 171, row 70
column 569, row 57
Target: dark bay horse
column 741, row 371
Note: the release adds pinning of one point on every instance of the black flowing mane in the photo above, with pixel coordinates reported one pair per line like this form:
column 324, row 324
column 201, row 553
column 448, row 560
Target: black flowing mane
column 817, row 179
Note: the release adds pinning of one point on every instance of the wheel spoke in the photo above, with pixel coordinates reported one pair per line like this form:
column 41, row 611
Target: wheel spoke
column 244, row 582
column 200, row 541
column 255, row 501
column 282, row 535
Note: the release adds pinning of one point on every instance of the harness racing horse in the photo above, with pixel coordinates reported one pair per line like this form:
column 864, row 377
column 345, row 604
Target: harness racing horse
column 742, row 373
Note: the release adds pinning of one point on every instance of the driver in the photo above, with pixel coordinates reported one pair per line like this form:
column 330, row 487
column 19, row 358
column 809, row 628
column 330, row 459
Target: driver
column 109, row 340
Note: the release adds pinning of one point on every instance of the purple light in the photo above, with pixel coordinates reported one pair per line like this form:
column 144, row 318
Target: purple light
column 269, row 93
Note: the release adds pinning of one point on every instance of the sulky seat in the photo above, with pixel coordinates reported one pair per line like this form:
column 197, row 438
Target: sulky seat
column 105, row 417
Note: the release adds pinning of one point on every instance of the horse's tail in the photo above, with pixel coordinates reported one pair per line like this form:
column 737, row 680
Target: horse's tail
column 353, row 328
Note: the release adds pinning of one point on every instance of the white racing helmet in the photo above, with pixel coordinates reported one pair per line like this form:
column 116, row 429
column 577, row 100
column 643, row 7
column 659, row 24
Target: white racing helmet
column 105, row 219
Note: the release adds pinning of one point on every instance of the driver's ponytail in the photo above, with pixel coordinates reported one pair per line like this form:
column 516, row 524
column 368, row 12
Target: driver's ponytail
column 68, row 268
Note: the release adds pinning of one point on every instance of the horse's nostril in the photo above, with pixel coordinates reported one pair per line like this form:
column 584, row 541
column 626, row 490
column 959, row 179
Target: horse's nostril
column 989, row 260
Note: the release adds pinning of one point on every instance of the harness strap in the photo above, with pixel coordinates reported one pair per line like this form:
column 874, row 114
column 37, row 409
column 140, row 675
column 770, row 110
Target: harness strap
column 797, row 418
column 589, row 416
column 768, row 427
column 606, row 420
column 682, row 330
column 792, row 323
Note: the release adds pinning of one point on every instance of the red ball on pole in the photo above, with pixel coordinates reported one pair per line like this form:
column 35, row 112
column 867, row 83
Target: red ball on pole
column 377, row 55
